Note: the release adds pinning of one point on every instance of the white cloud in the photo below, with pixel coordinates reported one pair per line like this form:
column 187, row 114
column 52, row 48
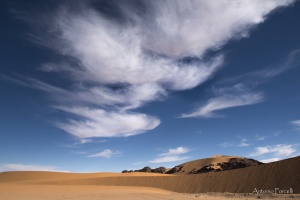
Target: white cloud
column 144, row 56
column 277, row 150
column 131, row 97
column 296, row 122
column 167, row 159
column 83, row 141
column 107, row 153
column 101, row 123
column 255, row 78
column 243, row 143
column 111, row 53
column 239, row 93
column 177, row 151
column 172, row 155
column 22, row 167
column 224, row 102
column 185, row 27
column 227, row 144
column 291, row 61
column 270, row 160
column 261, row 138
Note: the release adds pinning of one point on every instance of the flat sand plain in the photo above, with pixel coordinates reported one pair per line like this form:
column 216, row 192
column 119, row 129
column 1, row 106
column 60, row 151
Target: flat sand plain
column 91, row 192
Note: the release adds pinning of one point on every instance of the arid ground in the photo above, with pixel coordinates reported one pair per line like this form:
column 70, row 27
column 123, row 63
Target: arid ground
column 238, row 183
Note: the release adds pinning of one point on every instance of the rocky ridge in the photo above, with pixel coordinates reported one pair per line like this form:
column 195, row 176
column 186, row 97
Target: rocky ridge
column 210, row 165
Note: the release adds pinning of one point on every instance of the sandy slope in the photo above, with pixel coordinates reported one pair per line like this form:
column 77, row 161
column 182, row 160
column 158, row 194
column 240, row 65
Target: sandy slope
column 198, row 164
column 53, row 185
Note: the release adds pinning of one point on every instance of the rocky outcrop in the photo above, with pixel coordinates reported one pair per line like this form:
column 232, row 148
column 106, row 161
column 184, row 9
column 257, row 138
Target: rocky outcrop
column 161, row 170
column 175, row 169
column 145, row 169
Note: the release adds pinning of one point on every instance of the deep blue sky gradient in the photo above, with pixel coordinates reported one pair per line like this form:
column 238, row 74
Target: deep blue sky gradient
column 28, row 134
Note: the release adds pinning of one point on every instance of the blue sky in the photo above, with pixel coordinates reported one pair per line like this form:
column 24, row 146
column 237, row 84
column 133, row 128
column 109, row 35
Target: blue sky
column 112, row 85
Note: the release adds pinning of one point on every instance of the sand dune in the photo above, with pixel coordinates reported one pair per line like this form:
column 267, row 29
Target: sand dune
column 213, row 162
column 283, row 174
column 197, row 164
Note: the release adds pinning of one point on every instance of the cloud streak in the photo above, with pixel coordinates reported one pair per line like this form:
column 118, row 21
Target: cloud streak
column 264, row 137
column 168, row 159
column 107, row 153
column 291, row 61
column 240, row 93
column 225, row 101
column 101, row 123
column 172, row 155
column 22, row 167
column 277, row 150
column 242, row 143
column 296, row 123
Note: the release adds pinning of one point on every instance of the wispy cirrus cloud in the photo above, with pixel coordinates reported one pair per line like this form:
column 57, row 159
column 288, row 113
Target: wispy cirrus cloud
column 227, row 98
column 296, row 123
column 24, row 167
column 227, row 144
column 168, row 159
column 238, row 91
column 172, row 155
column 177, row 151
column 224, row 102
column 106, row 153
column 255, row 78
column 83, row 141
column 242, row 143
column 101, row 123
column 125, row 59
column 289, row 62
column 264, row 137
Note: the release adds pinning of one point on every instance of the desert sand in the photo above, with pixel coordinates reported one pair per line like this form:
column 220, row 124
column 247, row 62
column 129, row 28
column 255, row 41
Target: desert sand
column 238, row 183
